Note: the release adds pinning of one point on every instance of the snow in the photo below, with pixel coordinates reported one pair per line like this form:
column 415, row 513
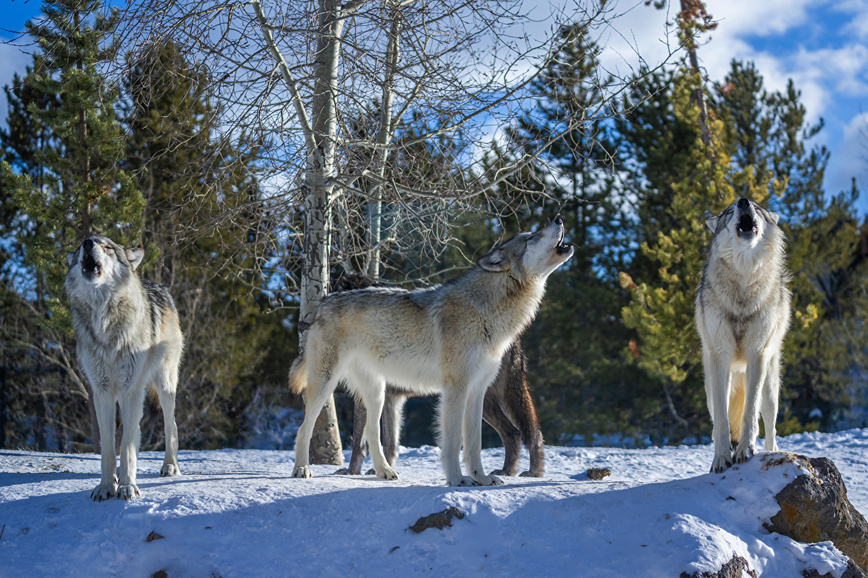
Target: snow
column 240, row 513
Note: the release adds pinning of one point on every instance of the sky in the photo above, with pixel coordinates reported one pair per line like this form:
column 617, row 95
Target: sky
column 821, row 44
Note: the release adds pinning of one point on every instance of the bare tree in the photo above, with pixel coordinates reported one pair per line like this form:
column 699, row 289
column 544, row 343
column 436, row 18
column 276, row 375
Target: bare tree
column 346, row 94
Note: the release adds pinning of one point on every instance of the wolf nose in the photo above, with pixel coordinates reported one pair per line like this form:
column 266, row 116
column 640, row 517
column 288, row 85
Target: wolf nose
column 88, row 244
column 558, row 221
column 742, row 203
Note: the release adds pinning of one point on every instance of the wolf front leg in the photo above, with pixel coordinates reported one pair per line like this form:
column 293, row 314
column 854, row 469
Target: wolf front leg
column 473, row 436
column 755, row 379
column 452, row 405
column 717, row 384
column 104, row 403
column 131, row 403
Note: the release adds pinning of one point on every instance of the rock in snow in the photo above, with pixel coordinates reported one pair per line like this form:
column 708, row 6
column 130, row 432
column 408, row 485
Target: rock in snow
column 815, row 508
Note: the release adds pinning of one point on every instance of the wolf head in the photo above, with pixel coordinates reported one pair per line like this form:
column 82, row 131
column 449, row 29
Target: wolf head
column 744, row 232
column 530, row 256
column 100, row 262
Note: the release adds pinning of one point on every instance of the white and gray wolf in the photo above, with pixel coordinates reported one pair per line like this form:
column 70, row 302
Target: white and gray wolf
column 742, row 314
column 128, row 338
column 448, row 339
column 508, row 407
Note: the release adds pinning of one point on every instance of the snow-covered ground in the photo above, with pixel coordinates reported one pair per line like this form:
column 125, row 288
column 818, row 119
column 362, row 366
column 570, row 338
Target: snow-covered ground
column 240, row 513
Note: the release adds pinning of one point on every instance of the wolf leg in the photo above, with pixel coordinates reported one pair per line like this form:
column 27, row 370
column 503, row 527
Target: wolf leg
column 393, row 419
column 757, row 370
column 167, row 383
column 132, row 402
column 452, row 407
column 360, row 417
column 473, row 437
column 373, row 391
column 769, row 403
column 105, row 405
column 717, row 385
column 319, row 389
column 494, row 415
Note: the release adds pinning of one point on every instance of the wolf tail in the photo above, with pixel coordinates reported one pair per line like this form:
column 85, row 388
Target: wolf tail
column 298, row 375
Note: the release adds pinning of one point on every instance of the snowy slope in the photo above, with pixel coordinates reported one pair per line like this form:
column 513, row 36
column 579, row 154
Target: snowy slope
column 240, row 513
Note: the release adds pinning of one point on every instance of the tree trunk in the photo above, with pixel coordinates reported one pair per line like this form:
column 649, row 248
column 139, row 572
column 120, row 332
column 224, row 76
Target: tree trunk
column 325, row 447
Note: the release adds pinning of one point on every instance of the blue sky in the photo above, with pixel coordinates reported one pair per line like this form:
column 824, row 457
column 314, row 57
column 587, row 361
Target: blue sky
column 821, row 44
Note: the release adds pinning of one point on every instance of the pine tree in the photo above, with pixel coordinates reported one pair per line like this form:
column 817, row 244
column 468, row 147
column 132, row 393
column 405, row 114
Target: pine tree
column 82, row 189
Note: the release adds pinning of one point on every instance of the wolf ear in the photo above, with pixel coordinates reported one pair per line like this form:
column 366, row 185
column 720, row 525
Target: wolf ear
column 70, row 258
column 134, row 256
column 495, row 261
column 773, row 216
column 712, row 223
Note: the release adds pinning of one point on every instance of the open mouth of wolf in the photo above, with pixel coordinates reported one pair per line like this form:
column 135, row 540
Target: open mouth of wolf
column 746, row 227
column 562, row 248
column 90, row 266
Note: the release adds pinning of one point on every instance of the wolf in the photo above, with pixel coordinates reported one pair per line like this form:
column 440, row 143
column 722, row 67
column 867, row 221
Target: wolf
column 128, row 338
column 447, row 339
column 742, row 314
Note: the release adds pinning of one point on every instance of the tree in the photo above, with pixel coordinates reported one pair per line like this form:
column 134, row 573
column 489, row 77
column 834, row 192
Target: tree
column 298, row 71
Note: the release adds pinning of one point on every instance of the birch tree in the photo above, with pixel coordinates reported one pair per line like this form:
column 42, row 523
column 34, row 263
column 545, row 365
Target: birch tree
column 303, row 73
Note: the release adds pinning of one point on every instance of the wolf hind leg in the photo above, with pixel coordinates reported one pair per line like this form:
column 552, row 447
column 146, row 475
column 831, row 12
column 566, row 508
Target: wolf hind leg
column 735, row 412
column 757, row 370
column 166, row 384
column 320, row 387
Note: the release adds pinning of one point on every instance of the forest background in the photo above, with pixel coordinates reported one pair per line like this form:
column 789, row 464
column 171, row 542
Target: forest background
column 132, row 140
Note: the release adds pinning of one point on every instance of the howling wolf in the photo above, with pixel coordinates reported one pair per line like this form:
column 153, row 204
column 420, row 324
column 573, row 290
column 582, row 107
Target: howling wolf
column 743, row 313
column 448, row 339
column 127, row 338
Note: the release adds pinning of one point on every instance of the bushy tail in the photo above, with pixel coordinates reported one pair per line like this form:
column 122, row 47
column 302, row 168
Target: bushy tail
column 298, row 375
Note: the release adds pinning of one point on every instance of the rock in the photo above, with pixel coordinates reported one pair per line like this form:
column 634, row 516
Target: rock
column 815, row 508
column 439, row 520
column 598, row 473
column 735, row 568
column 852, row 571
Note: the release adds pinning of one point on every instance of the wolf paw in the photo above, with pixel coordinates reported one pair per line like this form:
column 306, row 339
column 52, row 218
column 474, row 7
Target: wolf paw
column 371, row 472
column 530, row 474
column 721, row 463
column 343, row 472
column 388, row 474
column 301, row 472
column 502, row 473
column 489, row 480
column 462, row 481
column 744, row 454
column 128, row 492
column 104, row 491
column 169, row 470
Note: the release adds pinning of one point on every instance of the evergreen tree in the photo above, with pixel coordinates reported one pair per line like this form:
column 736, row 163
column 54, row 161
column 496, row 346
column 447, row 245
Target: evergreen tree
column 82, row 189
